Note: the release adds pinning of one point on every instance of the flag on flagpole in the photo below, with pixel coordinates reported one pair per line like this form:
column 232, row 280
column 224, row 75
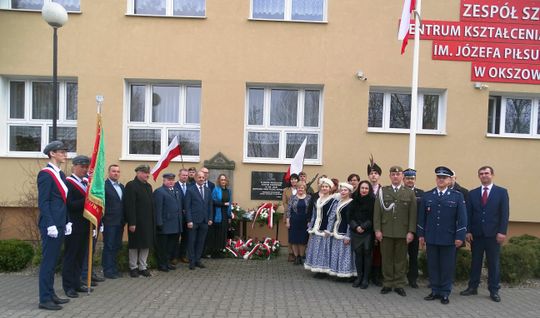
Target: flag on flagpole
column 95, row 196
column 298, row 162
column 172, row 151
column 403, row 34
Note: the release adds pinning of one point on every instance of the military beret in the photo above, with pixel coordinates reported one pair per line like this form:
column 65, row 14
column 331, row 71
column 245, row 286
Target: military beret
column 409, row 172
column 143, row 168
column 80, row 160
column 169, row 175
column 443, row 171
column 396, row 169
column 54, row 146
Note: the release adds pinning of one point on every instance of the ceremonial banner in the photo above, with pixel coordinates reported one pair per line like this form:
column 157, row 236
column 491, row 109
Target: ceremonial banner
column 95, row 197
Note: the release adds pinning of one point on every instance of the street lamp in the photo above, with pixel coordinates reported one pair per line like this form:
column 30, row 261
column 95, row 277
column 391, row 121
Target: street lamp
column 56, row 16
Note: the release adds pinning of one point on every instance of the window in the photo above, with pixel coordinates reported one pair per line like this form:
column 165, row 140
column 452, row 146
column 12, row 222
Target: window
column 69, row 5
column 514, row 116
column 279, row 119
column 390, row 111
column 180, row 8
column 156, row 113
column 29, row 118
column 289, row 10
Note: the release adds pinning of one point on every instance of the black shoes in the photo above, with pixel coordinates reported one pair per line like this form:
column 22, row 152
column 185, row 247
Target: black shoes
column 357, row 282
column 134, row 273
column 191, row 266
column 495, row 297
column 200, row 265
column 145, row 273
column 57, row 300
column 163, row 269
column 111, row 276
column 83, row 289
column 171, row 267
column 50, row 305
column 445, row 300
column 386, row 290
column 70, row 293
column 432, row 297
column 413, row 285
column 365, row 284
column 469, row 291
column 400, row 291
column 96, row 278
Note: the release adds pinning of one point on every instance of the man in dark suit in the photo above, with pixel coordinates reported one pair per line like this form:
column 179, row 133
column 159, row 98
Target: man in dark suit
column 488, row 212
column 139, row 213
column 113, row 223
column 168, row 207
column 76, row 244
column 207, row 183
column 409, row 180
column 182, row 186
column 199, row 215
column 52, row 195
column 442, row 223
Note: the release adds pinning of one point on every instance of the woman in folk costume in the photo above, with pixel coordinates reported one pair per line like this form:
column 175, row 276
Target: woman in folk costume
column 341, row 256
column 318, row 250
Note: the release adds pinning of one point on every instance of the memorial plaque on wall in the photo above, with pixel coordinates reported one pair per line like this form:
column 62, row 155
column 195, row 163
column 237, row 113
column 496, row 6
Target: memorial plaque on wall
column 266, row 185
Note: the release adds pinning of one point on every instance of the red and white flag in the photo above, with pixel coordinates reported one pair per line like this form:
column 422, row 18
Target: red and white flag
column 403, row 34
column 298, row 162
column 172, row 151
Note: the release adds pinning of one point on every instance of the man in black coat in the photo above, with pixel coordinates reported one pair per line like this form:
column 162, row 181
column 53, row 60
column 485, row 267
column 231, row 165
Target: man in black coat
column 139, row 213
column 168, row 208
column 76, row 244
column 409, row 181
column 113, row 223
column 199, row 215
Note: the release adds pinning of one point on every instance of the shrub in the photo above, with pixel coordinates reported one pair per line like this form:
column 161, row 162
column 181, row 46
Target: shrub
column 532, row 242
column 524, row 239
column 518, row 263
column 15, row 255
column 463, row 264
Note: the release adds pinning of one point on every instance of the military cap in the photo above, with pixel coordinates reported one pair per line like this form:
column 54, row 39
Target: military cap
column 169, row 175
column 396, row 169
column 143, row 168
column 443, row 171
column 54, row 146
column 81, row 160
column 409, row 172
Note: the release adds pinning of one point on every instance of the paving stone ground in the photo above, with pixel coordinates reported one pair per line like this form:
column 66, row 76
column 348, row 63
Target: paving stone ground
column 238, row 288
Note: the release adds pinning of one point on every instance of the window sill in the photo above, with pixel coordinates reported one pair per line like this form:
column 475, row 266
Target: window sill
column 155, row 158
column 513, row 136
column 167, row 16
column 32, row 155
column 292, row 21
column 273, row 161
column 35, row 10
column 405, row 132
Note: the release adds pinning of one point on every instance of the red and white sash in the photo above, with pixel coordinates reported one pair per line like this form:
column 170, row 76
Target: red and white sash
column 59, row 182
column 77, row 184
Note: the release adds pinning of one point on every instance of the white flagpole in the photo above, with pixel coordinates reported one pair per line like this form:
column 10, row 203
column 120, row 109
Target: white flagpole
column 414, row 93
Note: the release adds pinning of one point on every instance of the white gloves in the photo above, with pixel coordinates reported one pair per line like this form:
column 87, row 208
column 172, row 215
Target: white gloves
column 52, row 231
column 101, row 228
column 68, row 228
column 94, row 233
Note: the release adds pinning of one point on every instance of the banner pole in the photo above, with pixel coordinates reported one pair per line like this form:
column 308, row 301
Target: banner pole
column 89, row 273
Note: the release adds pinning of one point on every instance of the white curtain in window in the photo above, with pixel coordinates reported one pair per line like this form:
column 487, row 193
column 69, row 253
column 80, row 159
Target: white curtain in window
column 189, row 7
column 311, row 10
column 193, row 105
column 165, row 104
column 70, row 5
column 27, row 4
column 268, row 9
column 42, row 98
column 150, row 7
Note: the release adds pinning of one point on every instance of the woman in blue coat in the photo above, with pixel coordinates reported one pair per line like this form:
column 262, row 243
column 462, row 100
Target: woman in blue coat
column 217, row 232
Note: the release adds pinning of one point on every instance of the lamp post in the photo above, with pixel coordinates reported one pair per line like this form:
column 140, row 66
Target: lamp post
column 56, row 16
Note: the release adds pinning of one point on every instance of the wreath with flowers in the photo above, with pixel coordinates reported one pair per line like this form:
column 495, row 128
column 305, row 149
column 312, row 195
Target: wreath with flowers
column 252, row 249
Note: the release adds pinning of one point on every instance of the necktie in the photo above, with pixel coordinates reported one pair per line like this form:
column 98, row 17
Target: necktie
column 485, row 196
column 202, row 191
column 395, row 189
column 440, row 194
column 183, row 188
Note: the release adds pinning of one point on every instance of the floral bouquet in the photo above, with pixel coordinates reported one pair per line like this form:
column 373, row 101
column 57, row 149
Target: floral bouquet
column 237, row 213
column 266, row 214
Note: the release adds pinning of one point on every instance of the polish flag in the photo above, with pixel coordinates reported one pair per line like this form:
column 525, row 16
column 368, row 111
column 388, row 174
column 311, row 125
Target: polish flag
column 172, row 151
column 298, row 162
column 403, row 34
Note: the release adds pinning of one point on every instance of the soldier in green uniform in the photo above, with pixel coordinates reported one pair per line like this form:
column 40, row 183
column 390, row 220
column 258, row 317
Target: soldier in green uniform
column 394, row 222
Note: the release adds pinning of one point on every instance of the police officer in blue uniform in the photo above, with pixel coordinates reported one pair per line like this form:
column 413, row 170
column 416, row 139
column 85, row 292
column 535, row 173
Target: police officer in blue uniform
column 442, row 225
column 52, row 194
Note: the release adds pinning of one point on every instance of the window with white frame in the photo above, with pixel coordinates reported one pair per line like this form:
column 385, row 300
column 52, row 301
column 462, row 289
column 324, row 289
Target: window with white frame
column 514, row 116
column 156, row 113
column 180, row 8
column 29, row 115
column 69, row 5
column 390, row 111
column 289, row 10
column 278, row 119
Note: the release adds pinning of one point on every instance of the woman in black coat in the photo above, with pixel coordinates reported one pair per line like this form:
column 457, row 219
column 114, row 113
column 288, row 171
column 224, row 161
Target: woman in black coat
column 361, row 225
